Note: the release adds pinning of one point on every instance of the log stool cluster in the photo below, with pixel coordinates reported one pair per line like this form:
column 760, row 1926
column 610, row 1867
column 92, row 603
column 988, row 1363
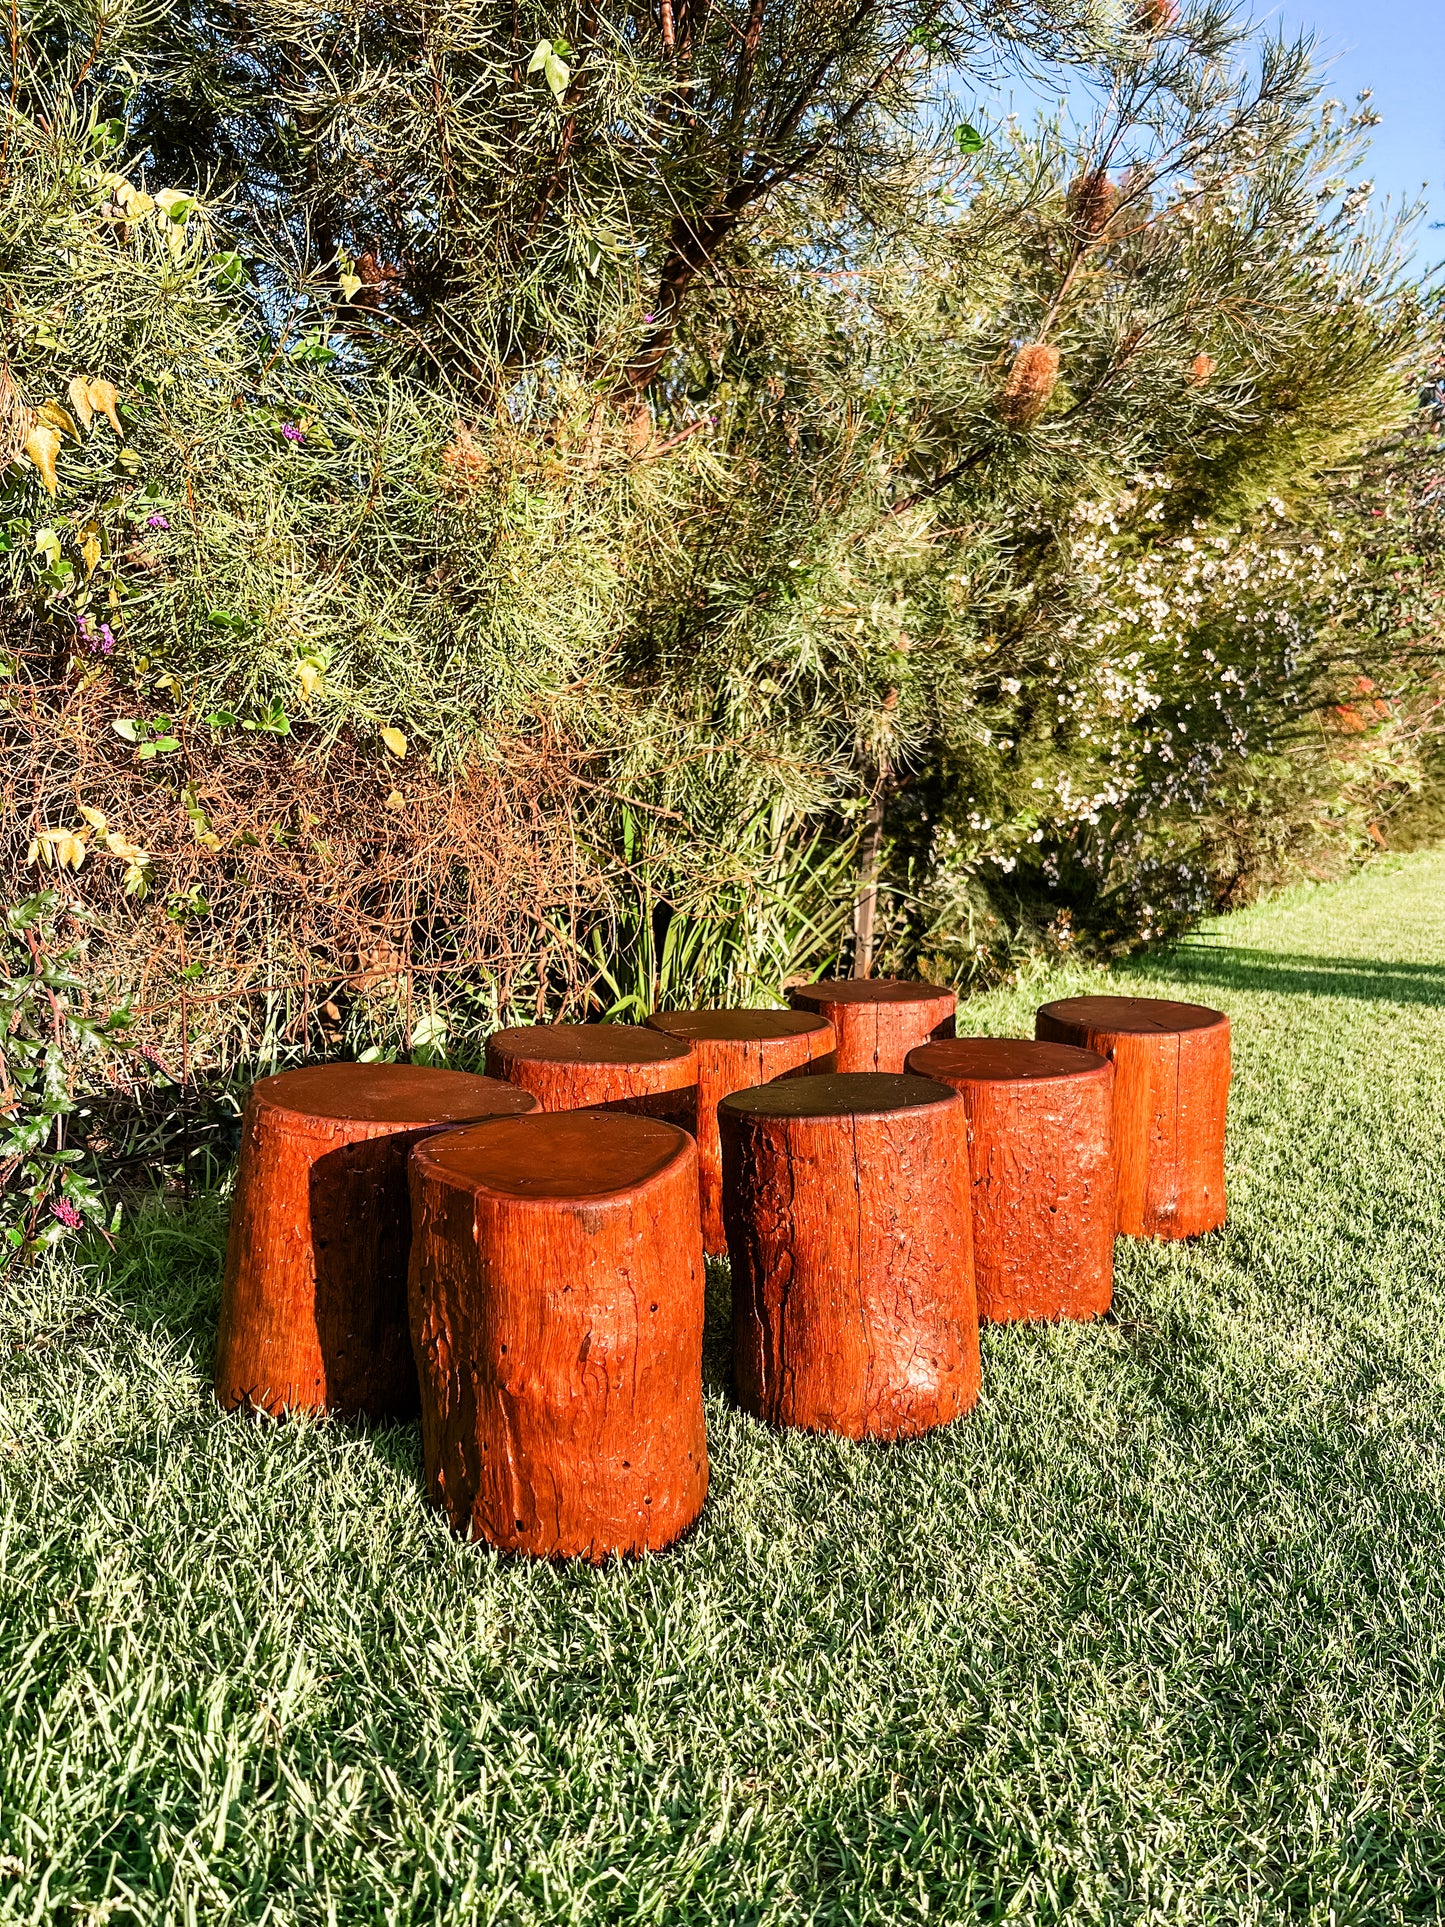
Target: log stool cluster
column 520, row 1256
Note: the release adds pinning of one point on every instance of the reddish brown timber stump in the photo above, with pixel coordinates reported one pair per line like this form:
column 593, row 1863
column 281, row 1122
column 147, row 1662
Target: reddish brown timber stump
column 1171, row 1091
column 608, row 1067
column 313, row 1308
column 1040, row 1155
column 847, row 1213
column 556, row 1295
column 878, row 1020
column 737, row 1049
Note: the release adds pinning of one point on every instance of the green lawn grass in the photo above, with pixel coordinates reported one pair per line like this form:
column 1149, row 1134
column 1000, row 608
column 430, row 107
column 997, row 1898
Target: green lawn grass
column 1157, row 1634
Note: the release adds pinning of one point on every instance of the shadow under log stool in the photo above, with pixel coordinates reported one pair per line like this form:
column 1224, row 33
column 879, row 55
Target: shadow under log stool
column 1041, row 1159
column 313, row 1307
column 737, row 1049
column 556, row 1297
column 878, row 1020
column 610, row 1067
column 1171, row 1092
column 847, row 1213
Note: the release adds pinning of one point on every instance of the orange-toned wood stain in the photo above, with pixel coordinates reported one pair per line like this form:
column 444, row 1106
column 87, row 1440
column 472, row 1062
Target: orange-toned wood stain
column 847, row 1212
column 1040, row 1153
column 313, row 1307
column 556, row 1298
column 1171, row 1093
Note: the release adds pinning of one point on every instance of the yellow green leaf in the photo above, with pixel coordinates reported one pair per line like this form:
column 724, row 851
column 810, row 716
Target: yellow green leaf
column 77, row 393
column 103, row 399
column 394, row 741
column 42, row 445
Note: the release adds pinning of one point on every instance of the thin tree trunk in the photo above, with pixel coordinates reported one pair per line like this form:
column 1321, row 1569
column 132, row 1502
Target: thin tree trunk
column 869, row 862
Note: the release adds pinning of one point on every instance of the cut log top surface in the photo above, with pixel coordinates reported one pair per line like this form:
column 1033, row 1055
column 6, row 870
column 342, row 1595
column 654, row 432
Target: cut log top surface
column 1144, row 1015
column 400, row 1094
column 1003, row 1060
column 869, row 990
column 589, row 1044
column 551, row 1155
column 842, row 1094
column 741, row 1026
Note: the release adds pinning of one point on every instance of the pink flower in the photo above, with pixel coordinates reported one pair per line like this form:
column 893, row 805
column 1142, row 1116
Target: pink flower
column 292, row 432
column 63, row 1209
column 157, row 522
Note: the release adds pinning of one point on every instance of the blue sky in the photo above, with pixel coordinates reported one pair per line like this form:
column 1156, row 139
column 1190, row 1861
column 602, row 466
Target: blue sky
column 1396, row 47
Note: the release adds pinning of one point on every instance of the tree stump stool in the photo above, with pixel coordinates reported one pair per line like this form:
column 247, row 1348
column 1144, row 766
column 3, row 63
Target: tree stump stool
column 313, row 1308
column 1171, row 1090
column 878, row 1020
column 556, row 1295
column 847, row 1213
column 737, row 1049
column 1041, row 1159
column 600, row 1067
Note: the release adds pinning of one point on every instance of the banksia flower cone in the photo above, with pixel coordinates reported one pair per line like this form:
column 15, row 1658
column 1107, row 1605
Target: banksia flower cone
column 1030, row 385
column 1200, row 369
column 1155, row 16
column 1091, row 202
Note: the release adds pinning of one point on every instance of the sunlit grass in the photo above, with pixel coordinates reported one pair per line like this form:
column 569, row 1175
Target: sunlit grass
column 1157, row 1634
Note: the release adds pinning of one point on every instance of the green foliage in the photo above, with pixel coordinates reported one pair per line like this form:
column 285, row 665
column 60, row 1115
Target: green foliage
column 47, row 1190
column 674, row 438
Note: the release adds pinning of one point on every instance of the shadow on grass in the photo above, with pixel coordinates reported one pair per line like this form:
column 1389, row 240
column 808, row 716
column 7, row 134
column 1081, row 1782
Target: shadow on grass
column 1280, row 973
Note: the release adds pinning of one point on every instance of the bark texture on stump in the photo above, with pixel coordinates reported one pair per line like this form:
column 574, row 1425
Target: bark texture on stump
column 556, row 1294
column 737, row 1049
column 600, row 1067
column 878, row 1020
column 1171, row 1092
column 847, row 1213
column 313, row 1308
column 1041, row 1160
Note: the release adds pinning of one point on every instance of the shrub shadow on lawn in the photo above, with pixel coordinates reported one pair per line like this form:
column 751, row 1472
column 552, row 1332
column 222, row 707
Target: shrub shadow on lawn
column 1282, row 973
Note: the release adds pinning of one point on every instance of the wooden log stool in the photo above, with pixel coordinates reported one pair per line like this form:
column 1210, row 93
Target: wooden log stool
column 1041, row 1160
column 737, row 1049
column 313, row 1307
column 847, row 1213
column 878, row 1020
column 1171, row 1091
column 600, row 1067
column 556, row 1295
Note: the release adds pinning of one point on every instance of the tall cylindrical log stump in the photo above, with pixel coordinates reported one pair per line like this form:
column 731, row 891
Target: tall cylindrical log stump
column 847, row 1213
column 878, row 1020
column 600, row 1067
column 737, row 1049
column 313, row 1308
column 1171, row 1091
column 556, row 1295
column 1041, row 1159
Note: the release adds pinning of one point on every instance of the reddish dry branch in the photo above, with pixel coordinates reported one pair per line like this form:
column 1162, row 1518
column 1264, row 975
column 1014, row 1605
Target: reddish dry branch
column 556, row 1296
column 611, row 1067
column 1040, row 1153
column 737, row 1049
column 313, row 1308
column 847, row 1213
column 1171, row 1092
column 878, row 1020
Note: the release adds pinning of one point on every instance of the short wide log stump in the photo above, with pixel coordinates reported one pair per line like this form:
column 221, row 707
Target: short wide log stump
column 878, row 1020
column 609, row 1067
column 1171, row 1092
column 1041, row 1159
column 737, row 1049
column 847, row 1213
column 313, row 1308
column 556, row 1296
